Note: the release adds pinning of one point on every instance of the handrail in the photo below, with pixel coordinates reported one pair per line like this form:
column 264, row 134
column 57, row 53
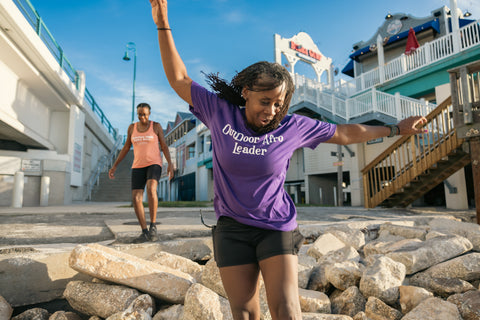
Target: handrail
column 34, row 19
column 103, row 163
column 99, row 112
column 393, row 105
column 410, row 156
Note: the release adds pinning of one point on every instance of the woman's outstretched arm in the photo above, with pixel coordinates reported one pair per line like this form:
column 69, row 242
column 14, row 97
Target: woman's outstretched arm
column 173, row 65
column 358, row 133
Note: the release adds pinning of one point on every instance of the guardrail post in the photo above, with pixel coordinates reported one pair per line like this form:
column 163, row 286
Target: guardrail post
column 467, row 104
column 334, row 109
column 403, row 62
column 374, row 99
column 428, row 56
column 347, row 112
column 398, row 106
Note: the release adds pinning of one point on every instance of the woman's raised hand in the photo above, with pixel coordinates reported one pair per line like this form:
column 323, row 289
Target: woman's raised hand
column 159, row 13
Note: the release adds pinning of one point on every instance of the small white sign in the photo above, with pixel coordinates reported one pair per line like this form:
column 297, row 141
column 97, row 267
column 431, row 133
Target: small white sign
column 31, row 165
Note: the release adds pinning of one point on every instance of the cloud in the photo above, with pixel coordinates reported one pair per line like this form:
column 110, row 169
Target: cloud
column 234, row 17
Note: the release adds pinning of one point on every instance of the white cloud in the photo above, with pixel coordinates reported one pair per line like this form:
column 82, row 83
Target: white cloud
column 234, row 17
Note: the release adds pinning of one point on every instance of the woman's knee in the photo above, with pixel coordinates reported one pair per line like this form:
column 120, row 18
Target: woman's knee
column 286, row 311
column 137, row 197
column 242, row 312
column 152, row 188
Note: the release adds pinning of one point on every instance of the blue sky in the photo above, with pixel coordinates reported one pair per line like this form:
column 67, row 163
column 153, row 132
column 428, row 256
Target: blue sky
column 211, row 35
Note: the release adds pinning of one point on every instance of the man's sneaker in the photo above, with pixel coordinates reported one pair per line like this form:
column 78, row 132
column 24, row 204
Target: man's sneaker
column 142, row 238
column 152, row 233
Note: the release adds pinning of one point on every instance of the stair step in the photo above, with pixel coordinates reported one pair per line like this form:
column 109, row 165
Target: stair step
column 118, row 189
column 428, row 180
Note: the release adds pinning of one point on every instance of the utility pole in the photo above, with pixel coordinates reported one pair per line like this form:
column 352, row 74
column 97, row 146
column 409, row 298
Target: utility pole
column 339, row 177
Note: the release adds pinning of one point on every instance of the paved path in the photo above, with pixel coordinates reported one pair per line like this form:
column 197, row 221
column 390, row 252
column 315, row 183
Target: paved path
column 100, row 221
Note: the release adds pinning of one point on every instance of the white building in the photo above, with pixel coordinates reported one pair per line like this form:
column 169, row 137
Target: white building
column 52, row 132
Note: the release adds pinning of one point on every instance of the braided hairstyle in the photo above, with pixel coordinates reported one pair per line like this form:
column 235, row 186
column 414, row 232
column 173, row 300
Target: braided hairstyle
column 144, row 105
column 260, row 76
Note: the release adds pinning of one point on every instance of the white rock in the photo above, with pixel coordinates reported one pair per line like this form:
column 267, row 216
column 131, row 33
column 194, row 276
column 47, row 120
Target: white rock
column 411, row 296
column 344, row 274
column 5, row 309
column 178, row 263
column 201, row 303
column 382, row 279
column 172, row 312
column 314, row 301
column 434, row 309
column 430, row 252
column 118, row 267
column 466, row 267
column 324, row 244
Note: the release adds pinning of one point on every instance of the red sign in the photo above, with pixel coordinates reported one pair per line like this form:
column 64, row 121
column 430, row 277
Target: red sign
column 305, row 51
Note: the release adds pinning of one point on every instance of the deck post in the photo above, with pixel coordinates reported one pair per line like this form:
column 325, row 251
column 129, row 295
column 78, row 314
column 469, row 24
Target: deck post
column 475, row 158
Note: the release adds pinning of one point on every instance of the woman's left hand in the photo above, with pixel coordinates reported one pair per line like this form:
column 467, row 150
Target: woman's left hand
column 412, row 125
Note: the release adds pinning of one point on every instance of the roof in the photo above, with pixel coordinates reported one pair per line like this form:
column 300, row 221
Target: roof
column 433, row 24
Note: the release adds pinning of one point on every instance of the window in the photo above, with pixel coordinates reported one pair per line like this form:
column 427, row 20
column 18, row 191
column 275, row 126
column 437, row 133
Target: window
column 201, row 144
column 209, row 143
column 191, row 151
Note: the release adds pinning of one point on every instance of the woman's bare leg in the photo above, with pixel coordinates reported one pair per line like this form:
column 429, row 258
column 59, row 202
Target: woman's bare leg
column 280, row 274
column 242, row 287
column 137, row 199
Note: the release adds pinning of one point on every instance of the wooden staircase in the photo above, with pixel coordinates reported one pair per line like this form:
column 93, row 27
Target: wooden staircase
column 415, row 164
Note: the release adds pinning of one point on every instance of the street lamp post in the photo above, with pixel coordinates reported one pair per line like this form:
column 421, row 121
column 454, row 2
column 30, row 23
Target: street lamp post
column 131, row 47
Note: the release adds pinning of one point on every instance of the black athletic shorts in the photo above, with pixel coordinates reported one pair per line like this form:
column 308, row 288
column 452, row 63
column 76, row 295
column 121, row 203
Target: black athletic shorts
column 141, row 175
column 235, row 243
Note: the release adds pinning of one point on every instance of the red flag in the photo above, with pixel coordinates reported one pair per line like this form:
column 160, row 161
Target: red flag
column 412, row 43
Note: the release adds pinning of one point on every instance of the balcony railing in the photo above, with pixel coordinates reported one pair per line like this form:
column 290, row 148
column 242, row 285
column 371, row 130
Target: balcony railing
column 372, row 101
column 428, row 53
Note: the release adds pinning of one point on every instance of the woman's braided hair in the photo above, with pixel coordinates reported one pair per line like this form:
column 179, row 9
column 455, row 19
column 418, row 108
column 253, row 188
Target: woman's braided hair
column 260, row 76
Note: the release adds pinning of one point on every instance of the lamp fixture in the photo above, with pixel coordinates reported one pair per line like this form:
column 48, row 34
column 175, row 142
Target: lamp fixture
column 467, row 14
column 132, row 47
column 388, row 16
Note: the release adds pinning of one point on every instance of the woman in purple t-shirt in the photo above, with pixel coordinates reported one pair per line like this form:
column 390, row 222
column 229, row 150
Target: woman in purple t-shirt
column 253, row 139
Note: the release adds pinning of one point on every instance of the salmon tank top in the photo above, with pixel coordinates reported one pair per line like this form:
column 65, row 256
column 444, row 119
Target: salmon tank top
column 146, row 151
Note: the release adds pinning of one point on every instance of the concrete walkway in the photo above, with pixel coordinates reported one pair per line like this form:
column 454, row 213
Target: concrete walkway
column 116, row 221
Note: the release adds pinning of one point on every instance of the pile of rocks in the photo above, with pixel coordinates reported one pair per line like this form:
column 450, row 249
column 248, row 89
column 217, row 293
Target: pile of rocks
column 428, row 269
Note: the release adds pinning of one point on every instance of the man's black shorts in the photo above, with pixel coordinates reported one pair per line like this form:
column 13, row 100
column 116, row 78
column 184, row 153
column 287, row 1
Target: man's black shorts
column 235, row 243
column 141, row 175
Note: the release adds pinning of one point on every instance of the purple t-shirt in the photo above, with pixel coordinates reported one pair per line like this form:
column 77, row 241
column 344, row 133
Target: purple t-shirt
column 249, row 169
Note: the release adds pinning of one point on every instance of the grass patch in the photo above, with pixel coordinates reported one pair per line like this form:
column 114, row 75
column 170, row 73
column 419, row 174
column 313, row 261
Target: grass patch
column 177, row 204
column 184, row 204
column 311, row 205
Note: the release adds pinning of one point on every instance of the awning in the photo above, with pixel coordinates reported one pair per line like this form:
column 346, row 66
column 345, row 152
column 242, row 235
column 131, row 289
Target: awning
column 348, row 69
column 461, row 23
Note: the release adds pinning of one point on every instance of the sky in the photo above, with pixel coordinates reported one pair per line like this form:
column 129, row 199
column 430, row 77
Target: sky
column 221, row 36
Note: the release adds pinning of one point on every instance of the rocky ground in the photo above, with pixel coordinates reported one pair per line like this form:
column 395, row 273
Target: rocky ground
column 411, row 269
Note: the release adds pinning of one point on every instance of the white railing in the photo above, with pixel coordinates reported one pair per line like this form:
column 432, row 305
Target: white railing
column 428, row 53
column 470, row 35
column 396, row 106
